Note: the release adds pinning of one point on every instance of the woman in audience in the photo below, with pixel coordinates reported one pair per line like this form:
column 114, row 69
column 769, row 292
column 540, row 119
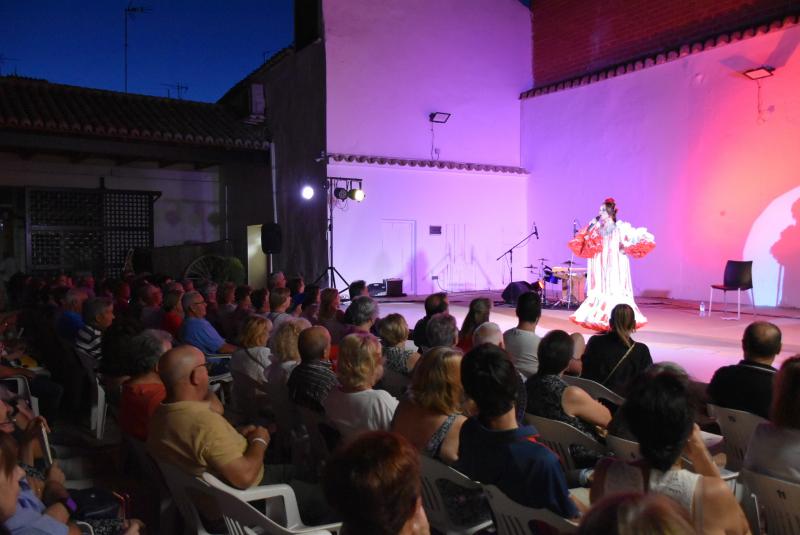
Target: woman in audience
column 309, row 308
column 394, row 334
column 10, row 476
column 637, row 514
column 354, row 407
column 374, row 484
column 142, row 394
column 173, row 313
column 330, row 315
column 774, row 448
column 286, row 354
column 252, row 360
column 659, row 413
column 431, row 417
column 614, row 358
column 550, row 397
column 479, row 310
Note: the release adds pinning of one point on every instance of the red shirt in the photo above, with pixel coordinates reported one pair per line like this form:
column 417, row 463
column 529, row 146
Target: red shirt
column 137, row 405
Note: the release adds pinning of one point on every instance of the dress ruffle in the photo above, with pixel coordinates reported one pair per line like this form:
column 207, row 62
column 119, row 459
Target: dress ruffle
column 586, row 243
column 595, row 311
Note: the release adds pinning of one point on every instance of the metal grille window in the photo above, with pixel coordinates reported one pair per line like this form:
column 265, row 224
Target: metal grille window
column 86, row 230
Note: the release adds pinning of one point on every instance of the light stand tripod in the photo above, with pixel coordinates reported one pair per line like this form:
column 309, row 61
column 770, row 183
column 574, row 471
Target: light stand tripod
column 330, row 271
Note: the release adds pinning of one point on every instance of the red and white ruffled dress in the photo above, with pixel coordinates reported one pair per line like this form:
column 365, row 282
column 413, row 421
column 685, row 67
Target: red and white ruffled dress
column 608, row 271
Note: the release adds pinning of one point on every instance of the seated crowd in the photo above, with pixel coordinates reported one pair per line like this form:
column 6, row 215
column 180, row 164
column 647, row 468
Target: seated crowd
column 383, row 395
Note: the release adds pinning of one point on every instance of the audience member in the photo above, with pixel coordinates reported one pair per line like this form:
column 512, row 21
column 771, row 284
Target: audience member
column 492, row 441
column 226, row 299
column 393, row 331
column 209, row 292
column 279, row 302
column 362, row 314
column 312, row 379
column 576, row 364
column 747, row 386
column 297, row 288
column 374, row 484
column 196, row 329
column 354, row 407
column 613, row 359
column 98, row 314
column 330, row 316
column 431, row 416
column 522, row 341
column 434, row 304
column 276, row 280
column 114, row 343
column 285, row 354
column 357, row 289
column 235, row 320
column 86, row 283
column 251, row 360
column 260, row 301
column 488, row 333
column 550, row 397
column 71, row 319
column 442, row 330
column 637, row 514
column 478, row 313
column 309, row 308
column 142, row 394
column 152, row 314
column 774, row 448
column 173, row 313
column 122, row 298
column 659, row 413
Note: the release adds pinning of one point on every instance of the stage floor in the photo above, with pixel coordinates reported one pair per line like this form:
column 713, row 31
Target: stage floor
column 675, row 331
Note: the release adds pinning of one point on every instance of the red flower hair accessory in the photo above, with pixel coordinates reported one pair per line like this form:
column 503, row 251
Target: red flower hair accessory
column 610, row 200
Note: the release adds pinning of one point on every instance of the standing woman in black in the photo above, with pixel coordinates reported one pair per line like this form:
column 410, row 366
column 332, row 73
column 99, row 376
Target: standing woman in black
column 613, row 358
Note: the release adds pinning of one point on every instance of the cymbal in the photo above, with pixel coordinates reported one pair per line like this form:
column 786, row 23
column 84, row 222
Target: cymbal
column 542, row 259
column 529, row 267
column 569, row 262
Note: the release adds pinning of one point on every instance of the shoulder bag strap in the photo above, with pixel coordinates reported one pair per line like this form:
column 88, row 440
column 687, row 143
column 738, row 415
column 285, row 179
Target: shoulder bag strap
column 628, row 352
column 260, row 365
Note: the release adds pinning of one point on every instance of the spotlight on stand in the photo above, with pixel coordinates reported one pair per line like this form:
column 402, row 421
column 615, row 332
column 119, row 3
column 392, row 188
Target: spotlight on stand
column 307, row 192
column 357, row 194
column 340, row 193
column 439, row 117
column 758, row 73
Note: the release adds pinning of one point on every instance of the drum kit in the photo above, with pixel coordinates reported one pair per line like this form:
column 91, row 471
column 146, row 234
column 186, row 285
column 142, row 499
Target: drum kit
column 570, row 277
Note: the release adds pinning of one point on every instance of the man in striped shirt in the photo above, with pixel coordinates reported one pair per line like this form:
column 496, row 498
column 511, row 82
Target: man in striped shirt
column 98, row 313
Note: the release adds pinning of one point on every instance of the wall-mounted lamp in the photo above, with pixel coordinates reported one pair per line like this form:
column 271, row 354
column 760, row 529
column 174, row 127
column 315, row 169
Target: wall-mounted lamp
column 439, row 117
column 347, row 188
column 758, row 73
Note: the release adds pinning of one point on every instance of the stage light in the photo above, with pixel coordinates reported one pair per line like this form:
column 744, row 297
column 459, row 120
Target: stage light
column 758, row 73
column 340, row 193
column 439, row 117
column 307, row 192
column 356, row 194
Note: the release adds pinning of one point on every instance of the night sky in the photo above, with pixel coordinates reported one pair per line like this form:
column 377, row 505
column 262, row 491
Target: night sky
column 207, row 45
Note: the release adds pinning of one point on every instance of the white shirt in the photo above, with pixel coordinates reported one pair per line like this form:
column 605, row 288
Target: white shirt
column 278, row 372
column 354, row 413
column 774, row 451
column 522, row 346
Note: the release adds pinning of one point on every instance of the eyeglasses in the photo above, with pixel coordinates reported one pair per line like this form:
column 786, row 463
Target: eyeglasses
column 200, row 303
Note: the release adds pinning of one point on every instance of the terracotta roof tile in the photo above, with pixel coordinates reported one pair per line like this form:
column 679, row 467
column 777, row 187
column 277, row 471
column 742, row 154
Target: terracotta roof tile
column 62, row 109
column 437, row 164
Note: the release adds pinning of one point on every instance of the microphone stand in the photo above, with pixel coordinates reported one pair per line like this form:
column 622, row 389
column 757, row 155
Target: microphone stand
column 510, row 252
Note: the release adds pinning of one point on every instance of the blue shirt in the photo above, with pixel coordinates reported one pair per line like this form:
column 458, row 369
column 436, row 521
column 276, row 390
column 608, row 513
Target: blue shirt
column 526, row 471
column 29, row 517
column 201, row 334
column 69, row 323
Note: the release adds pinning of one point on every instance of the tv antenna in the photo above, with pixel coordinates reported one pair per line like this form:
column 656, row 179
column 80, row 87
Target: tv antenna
column 3, row 60
column 179, row 88
column 130, row 13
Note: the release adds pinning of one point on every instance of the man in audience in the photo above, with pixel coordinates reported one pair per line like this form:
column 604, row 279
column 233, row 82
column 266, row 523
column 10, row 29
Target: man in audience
column 279, row 301
column 747, row 386
column 487, row 333
column 232, row 323
column 493, row 441
column 276, row 280
column 71, row 320
column 441, row 330
column 196, row 329
column 434, row 304
column 522, row 341
column 362, row 314
column 312, row 379
column 98, row 314
column 152, row 314
column 259, row 300
column 357, row 289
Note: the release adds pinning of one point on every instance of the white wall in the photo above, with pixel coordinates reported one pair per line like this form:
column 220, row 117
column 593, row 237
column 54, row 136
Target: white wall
column 684, row 150
column 187, row 210
column 481, row 215
column 389, row 64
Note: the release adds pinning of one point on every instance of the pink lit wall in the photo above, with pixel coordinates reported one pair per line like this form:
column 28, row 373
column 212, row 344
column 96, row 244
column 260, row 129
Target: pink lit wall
column 389, row 64
column 692, row 150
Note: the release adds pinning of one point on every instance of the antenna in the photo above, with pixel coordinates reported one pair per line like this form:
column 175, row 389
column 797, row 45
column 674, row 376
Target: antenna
column 130, row 13
column 179, row 88
column 3, row 60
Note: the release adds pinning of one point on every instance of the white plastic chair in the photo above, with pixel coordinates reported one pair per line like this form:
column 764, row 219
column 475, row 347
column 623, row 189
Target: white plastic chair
column 242, row 518
column 594, row 389
column 180, row 484
column 776, row 503
column 511, row 518
column 148, row 467
column 435, row 504
column 19, row 384
column 737, row 428
column 99, row 409
column 558, row 436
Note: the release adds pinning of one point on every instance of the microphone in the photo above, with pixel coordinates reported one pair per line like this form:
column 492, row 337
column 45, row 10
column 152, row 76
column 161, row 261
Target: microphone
column 574, row 226
column 536, row 230
column 593, row 222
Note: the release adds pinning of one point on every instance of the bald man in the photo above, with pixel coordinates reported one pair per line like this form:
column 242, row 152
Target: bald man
column 312, row 379
column 187, row 432
column 747, row 386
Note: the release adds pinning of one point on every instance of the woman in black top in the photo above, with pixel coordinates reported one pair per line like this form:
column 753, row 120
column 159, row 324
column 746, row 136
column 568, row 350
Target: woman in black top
column 613, row 359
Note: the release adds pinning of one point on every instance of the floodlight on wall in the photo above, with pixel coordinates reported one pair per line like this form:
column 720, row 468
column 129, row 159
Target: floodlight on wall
column 758, row 73
column 340, row 193
column 357, row 194
column 307, row 192
column 439, row 117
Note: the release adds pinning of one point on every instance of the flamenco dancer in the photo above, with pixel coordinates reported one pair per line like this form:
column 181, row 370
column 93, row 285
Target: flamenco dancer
column 607, row 244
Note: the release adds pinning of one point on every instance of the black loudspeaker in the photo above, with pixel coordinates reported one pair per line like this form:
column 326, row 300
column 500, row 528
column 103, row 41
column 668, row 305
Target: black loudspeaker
column 271, row 238
column 514, row 290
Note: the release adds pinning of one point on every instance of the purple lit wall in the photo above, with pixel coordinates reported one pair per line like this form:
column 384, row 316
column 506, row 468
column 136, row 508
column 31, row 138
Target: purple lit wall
column 692, row 150
column 390, row 64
